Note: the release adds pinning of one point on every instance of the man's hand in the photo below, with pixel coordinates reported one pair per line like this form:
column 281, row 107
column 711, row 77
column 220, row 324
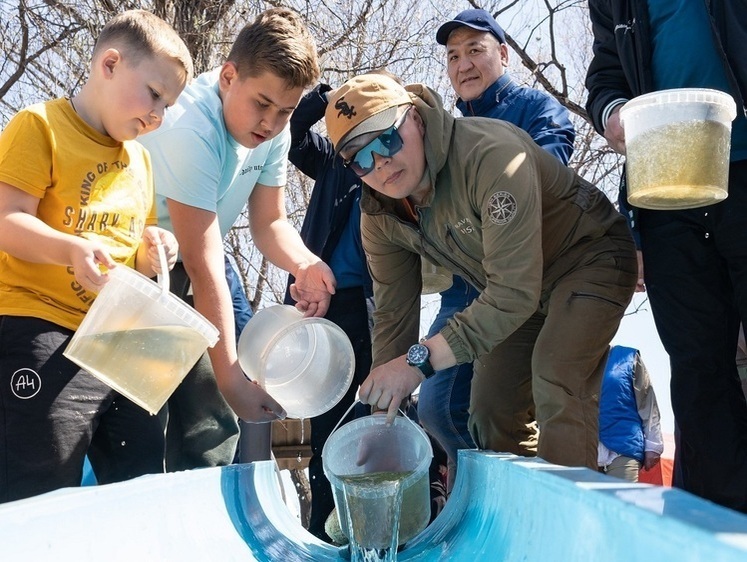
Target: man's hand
column 388, row 384
column 614, row 132
column 313, row 289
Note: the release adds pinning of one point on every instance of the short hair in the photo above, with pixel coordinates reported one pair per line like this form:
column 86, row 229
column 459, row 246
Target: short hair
column 279, row 42
column 140, row 34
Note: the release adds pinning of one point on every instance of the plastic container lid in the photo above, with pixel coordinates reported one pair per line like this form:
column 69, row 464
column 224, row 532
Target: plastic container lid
column 170, row 302
column 705, row 96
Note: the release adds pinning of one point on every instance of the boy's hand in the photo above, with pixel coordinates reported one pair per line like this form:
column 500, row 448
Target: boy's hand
column 251, row 402
column 154, row 236
column 87, row 257
column 313, row 289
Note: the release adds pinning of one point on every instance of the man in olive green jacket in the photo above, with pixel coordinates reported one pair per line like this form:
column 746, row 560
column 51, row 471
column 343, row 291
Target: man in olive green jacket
column 553, row 259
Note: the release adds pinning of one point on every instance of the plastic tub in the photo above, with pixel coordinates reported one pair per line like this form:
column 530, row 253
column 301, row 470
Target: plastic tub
column 139, row 339
column 401, row 452
column 306, row 364
column 677, row 147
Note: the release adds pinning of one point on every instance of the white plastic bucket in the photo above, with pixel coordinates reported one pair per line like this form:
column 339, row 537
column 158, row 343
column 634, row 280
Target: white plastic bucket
column 306, row 364
column 139, row 339
column 402, row 448
column 677, row 147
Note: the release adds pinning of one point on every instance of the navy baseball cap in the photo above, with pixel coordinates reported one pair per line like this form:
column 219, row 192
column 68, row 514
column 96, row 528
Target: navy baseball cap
column 476, row 19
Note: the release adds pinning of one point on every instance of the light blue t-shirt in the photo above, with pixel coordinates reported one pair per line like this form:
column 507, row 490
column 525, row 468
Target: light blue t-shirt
column 198, row 163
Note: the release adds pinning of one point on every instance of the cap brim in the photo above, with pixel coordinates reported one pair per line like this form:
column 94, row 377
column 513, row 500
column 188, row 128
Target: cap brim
column 379, row 122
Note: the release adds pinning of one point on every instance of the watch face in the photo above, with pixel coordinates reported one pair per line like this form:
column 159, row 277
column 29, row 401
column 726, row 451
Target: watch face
column 418, row 354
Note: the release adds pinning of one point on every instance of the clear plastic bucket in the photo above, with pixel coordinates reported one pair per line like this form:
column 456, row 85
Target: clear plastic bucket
column 306, row 364
column 139, row 339
column 368, row 464
column 677, row 147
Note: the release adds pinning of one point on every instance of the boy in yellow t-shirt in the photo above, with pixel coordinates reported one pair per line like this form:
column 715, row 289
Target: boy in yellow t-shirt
column 76, row 194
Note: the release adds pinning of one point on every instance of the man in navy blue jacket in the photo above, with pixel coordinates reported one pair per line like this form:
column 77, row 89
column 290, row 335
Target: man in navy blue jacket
column 477, row 58
column 331, row 229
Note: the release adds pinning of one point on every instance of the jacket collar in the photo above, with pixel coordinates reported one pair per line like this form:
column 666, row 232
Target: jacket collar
column 495, row 94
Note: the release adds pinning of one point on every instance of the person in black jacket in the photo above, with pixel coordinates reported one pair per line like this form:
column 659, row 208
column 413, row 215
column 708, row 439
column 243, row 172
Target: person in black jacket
column 694, row 261
column 331, row 229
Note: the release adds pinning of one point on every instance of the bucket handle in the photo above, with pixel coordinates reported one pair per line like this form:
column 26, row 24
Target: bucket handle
column 356, row 401
column 163, row 277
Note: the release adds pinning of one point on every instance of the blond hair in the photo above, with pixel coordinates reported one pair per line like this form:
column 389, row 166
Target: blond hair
column 141, row 34
column 277, row 41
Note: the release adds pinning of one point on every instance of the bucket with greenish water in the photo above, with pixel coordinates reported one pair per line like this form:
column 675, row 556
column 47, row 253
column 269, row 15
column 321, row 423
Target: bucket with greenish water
column 380, row 481
column 140, row 339
column 677, row 147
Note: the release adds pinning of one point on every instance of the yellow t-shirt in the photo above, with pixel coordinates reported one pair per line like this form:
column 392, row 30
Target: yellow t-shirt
column 88, row 185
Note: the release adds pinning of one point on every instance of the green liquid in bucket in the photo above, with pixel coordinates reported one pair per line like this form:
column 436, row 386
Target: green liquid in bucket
column 146, row 364
column 678, row 166
column 374, row 507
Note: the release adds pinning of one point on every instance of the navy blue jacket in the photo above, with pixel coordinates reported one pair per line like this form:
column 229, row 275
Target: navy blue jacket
column 539, row 114
column 335, row 187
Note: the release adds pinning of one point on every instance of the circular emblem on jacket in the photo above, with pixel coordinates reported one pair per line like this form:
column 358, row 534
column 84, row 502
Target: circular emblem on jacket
column 501, row 207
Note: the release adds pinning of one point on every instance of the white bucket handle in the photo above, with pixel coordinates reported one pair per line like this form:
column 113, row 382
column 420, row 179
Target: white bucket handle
column 356, row 401
column 163, row 277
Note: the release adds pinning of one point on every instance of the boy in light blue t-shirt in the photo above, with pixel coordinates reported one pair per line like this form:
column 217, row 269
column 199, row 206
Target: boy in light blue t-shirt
column 224, row 145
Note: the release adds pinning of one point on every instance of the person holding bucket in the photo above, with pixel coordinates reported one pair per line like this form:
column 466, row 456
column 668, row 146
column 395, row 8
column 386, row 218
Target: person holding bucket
column 694, row 261
column 76, row 198
column 227, row 146
column 476, row 62
column 553, row 259
column 331, row 230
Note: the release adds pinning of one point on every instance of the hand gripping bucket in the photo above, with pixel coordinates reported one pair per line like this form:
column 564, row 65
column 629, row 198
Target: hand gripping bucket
column 306, row 364
column 368, row 463
column 677, row 147
column 140, row 339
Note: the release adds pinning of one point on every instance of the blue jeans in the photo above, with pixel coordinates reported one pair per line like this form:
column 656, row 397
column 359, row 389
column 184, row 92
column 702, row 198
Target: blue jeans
column 443, row 402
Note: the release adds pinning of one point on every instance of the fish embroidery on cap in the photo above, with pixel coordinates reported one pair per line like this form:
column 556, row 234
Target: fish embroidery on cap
column 345, row 109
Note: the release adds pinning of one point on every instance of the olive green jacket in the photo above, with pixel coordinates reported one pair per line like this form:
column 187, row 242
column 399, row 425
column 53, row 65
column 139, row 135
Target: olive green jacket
column 502, row 213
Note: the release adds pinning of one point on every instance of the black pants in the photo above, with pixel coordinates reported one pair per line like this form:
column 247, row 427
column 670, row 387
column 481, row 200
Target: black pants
column 695, row 266
column 347, row 310
column 202, row 429
column 52, row 413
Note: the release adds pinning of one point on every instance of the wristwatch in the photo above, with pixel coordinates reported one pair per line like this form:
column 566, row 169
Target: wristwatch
column 419, row 356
